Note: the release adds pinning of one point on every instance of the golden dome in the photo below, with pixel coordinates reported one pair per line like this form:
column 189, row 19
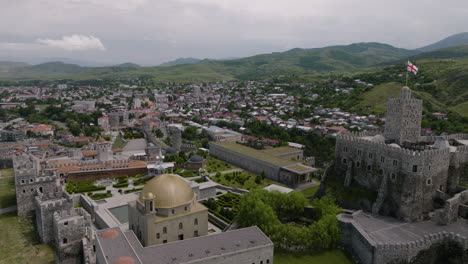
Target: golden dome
column 168, row 191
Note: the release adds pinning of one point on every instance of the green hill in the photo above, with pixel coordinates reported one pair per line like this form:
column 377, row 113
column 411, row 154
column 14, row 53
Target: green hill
column 44, row 70
column 296, row 61
column 454, row 40
column 6, row 66
column 440, row 83
column 181, row 61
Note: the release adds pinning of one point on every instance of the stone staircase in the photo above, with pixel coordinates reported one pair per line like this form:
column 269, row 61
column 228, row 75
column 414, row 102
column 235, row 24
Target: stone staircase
column 381, row 195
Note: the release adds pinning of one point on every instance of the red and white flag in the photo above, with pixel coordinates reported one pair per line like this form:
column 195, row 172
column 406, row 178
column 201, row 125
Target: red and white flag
column 412, row 68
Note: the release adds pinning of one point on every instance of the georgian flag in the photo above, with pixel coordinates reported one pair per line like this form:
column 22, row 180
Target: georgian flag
column 412, row 68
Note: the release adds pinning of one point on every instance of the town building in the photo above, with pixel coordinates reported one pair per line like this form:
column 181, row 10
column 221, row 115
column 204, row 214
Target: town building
column 283, row 165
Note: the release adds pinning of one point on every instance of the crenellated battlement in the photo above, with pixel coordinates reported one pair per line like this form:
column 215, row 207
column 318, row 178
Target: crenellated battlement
column 359, row 141
column 425, row 242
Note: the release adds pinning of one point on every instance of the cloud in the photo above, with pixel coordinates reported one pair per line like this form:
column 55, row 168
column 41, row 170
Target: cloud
column 74, row 42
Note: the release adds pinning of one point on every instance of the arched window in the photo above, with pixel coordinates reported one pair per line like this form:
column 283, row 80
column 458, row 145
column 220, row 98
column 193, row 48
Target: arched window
column 195, row 222
column 181, row 226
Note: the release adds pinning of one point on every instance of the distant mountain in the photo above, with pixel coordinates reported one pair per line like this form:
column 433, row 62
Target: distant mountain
column 296, row 61
column 6, row 66
column 180, row 61
column 55, row 69
column 452, row 41
column 127, row 65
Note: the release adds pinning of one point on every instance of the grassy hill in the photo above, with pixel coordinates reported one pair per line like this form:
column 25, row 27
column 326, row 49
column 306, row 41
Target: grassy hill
column 440, row 83
column 454, row 40
column 6, row 66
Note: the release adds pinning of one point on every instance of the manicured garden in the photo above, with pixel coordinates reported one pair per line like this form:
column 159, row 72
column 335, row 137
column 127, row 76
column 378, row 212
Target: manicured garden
column 133, row 190
column 122, row 183
column 99, row 196
column 242, row 179
column 19, row 242
column 141, row 181
column 334, row 256
column 214, row 165
column 224, row 206
column 83, row 187
column 7, row 188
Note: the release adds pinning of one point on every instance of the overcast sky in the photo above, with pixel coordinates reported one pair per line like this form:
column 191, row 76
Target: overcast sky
column 149, row 32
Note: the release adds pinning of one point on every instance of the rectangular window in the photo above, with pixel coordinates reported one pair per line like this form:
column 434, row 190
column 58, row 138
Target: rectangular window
column 158, row 236
column 415, row 168
column 382, row 159
column 395, row 163
column 359, row 152
column 371, row 155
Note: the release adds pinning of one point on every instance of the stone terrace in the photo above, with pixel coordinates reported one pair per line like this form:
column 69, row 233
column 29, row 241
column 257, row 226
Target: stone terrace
column 385, row 230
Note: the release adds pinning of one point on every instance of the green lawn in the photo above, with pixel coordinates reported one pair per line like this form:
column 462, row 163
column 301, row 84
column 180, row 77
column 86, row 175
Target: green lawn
column 242, row 179
column 335, row 256
column 7, row 188
column 310, row 191
column 6, row 173
column 214, row 165
column 19, row 243
column 118, row 143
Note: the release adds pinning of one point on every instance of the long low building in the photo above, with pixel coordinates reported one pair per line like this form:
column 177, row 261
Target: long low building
column 246, row 245
column 279, row 164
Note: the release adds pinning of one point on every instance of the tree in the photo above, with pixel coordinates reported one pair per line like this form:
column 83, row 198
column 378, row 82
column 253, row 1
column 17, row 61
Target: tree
column 253, row 211
column 159, row 133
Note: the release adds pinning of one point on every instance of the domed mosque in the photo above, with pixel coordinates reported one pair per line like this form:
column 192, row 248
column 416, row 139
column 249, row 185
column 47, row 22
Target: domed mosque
column 166, row 211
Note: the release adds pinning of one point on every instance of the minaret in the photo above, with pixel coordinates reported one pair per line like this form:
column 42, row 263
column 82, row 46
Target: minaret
column 403, row 120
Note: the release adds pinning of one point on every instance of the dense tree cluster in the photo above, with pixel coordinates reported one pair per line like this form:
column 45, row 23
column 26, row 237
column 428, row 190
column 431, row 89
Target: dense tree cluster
column 278, row 215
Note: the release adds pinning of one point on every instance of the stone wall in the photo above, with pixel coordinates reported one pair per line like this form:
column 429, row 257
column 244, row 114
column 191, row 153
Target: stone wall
column 450, row 212
column 70, row 227
column 367, row 251
column 105, row 174
column 45, row 207
column 31, row 181
column 413, row 176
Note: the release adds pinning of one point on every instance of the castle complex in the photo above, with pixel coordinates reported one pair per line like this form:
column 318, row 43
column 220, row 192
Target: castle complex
column 416, row 179
column 164, row 223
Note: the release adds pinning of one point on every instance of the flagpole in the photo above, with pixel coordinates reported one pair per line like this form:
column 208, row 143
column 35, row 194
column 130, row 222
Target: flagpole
column 407, row 74
column 406, row 77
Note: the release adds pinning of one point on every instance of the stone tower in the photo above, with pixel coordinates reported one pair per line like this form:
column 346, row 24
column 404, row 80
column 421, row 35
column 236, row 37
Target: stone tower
column 69, row 229
column 403, row 120
column 31, row 180
column 102, row 148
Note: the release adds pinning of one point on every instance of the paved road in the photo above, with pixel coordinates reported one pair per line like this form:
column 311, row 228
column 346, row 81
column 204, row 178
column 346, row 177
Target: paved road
column 8, row 209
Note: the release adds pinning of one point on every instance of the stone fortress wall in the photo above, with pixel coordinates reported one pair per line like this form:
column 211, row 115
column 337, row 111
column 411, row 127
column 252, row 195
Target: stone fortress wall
column 367, row 250
column 408, row 177
column 31, row 181
column 70, row 228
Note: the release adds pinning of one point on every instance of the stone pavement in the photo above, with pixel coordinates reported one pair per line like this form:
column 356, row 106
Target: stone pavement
column 389, row 230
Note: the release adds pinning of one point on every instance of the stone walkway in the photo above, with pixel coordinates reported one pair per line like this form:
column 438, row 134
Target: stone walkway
column 7, row 210
column 389, row 230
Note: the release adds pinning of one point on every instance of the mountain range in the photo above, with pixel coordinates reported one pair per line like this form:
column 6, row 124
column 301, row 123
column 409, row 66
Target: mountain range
column 342, row 58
